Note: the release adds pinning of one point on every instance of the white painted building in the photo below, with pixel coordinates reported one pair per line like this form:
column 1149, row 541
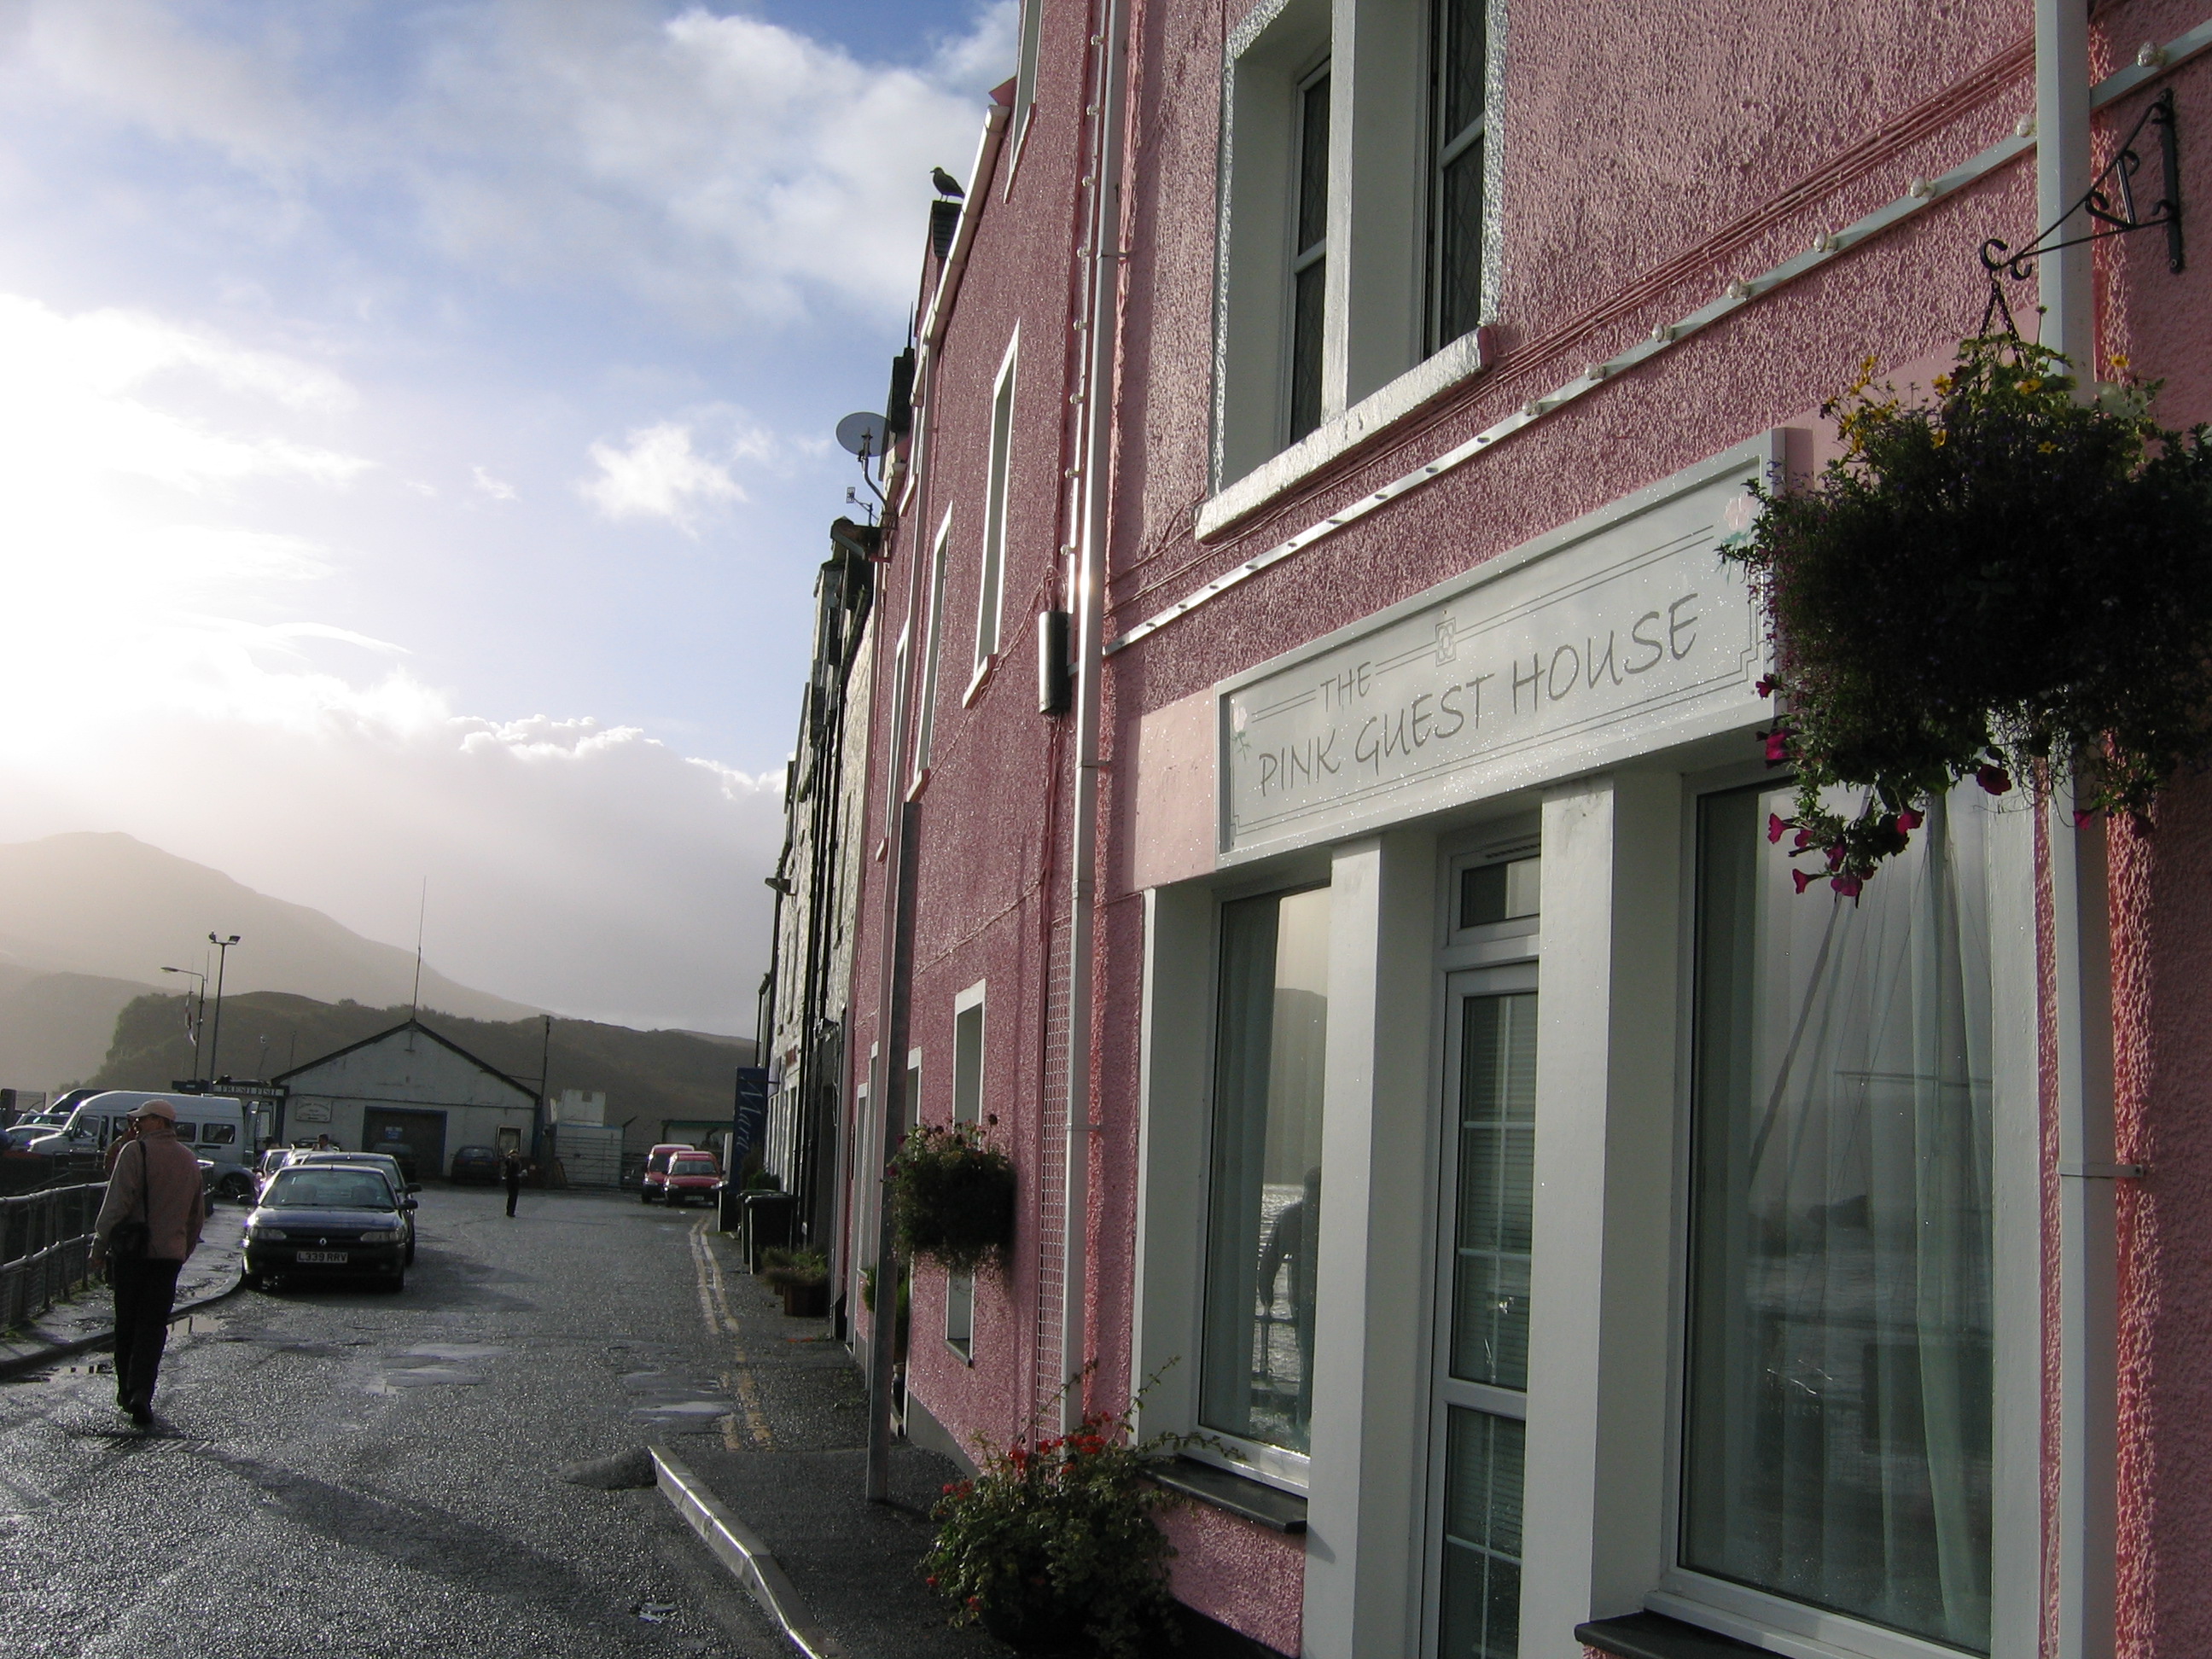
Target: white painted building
column 413, row 1087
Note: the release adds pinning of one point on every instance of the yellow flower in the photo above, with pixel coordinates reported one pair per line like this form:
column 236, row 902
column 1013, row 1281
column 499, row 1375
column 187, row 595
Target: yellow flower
column 2120, row 362
column 1943, row 384
column 1937, row 437
column 2046, row 449
column 2031, row 385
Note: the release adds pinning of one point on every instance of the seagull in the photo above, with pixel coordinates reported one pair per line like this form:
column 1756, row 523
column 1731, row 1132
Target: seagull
column 946, row 184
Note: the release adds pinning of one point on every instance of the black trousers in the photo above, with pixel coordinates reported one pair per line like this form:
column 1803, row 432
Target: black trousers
column 145, row 1293
column 514, row 1192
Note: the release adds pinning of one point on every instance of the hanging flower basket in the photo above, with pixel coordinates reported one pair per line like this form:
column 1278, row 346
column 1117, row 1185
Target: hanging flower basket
column 952, row 1197
column 2001, row 583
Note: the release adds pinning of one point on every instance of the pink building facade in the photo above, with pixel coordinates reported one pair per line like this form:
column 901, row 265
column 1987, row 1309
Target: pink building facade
column 1315, row 818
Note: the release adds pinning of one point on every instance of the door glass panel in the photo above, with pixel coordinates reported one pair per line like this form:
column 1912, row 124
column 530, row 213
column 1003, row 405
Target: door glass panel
column 1496, row 1152
column 1480, row 1617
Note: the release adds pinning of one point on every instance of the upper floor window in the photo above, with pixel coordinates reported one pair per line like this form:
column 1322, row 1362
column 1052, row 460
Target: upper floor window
column 926, row 727
column 1458, row 119
column 1025, row 71
column 990, row 598
column 1309, row 252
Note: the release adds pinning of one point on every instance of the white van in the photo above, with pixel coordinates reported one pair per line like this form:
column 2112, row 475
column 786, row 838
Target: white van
column 217, row 1127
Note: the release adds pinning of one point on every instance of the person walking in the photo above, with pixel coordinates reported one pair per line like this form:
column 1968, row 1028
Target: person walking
column 125, row 1133
column 512, row 1170
column 157, row 1188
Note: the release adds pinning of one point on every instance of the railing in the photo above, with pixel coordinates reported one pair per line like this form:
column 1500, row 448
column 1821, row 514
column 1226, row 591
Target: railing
column 45, row 1247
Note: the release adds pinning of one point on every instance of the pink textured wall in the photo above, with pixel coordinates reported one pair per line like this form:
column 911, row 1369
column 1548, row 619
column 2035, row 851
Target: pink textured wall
column 1238, row 1572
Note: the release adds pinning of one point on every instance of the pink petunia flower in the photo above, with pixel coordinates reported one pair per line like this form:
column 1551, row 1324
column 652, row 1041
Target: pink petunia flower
column 1994, row 779
column 1804, row 878
column 1775, row 825
column 1908, row 820
column 1849, row 886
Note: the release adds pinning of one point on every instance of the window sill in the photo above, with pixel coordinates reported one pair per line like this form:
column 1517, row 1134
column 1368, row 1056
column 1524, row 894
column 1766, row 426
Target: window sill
column 1655, row 1636
column 1424, row 383
column 963, row 1352
column 982, row 678
column 1223, row 1489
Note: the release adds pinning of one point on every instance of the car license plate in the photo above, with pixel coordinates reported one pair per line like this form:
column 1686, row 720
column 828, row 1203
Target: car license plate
column 321, row 1258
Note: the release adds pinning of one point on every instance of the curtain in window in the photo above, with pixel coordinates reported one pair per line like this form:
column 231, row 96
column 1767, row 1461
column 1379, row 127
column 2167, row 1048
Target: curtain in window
column 1838, row 1443
column 1264, row 1207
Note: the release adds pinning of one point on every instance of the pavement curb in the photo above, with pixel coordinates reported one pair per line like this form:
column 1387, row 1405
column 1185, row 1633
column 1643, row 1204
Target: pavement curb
column 16, row 1366
column 748, row 1560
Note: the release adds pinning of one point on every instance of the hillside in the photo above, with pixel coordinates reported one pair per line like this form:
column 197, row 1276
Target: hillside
column 647, row 1076
column 110, row 907
column 55, row 1028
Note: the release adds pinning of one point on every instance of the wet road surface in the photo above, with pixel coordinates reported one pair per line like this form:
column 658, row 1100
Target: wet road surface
column 341, row 1471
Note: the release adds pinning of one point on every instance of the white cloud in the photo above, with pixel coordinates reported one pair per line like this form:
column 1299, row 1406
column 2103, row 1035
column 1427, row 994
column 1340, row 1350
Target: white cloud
column 498, row 488
column 659, row 475
column 722, row 167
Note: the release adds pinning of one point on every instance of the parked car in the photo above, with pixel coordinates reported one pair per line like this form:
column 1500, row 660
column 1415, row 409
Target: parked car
column 656, row 1169
column 329, row 1220
column 692, row 1175
column 478, row 1163
column 384, row 1166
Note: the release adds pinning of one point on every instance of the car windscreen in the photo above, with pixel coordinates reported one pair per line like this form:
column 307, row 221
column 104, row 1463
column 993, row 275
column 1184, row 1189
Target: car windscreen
column 327, row 1189
column 694, row 1166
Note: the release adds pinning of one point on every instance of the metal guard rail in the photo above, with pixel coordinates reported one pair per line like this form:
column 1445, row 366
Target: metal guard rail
column 45, row 1247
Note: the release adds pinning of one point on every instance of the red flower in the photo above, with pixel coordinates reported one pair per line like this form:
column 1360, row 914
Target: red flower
column 1777, row 747
column 1804, row 838
column 1835, row 854
column 1908, row 820
column 1775, row 825
column 2084, row 816
column 1849, row 886
column 1767, row 686
column 1994, row 779
column 1804, row 878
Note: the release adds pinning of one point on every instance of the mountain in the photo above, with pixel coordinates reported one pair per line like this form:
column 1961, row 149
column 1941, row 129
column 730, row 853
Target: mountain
column 55, row 1028
column 110, row 907
column 649, row 1077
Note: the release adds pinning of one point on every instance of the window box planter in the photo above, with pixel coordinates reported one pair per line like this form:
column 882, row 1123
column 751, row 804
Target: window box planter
column 952, row 1197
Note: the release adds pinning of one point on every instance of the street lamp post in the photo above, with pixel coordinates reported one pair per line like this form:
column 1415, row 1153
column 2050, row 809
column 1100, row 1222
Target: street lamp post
column 214, row 1037
column 194, row 1024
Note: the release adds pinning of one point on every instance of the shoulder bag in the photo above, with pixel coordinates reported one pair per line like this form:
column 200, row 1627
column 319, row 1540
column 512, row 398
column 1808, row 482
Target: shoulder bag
column 128, row 1242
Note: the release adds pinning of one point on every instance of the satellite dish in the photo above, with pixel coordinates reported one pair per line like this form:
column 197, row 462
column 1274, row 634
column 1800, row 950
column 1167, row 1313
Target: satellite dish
column 861, row 433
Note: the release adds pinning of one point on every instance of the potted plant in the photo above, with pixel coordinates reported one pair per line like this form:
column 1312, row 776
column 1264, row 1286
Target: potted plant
column 802, row 1276
column 2006, row 581
column 952, row 1196
column 1052, row 1547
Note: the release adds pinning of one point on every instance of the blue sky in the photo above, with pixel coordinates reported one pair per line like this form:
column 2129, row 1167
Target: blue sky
column 419, row 434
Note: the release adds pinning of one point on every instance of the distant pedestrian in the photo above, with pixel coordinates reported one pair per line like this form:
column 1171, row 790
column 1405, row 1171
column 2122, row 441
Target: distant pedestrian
column 151, row 1219
column 322, row 1144
column 512, row 1170
column 125, row 1133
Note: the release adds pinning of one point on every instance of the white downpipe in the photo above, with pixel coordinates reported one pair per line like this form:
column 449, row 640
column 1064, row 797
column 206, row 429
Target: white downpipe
column 2088, row 1383
column 1095, row 454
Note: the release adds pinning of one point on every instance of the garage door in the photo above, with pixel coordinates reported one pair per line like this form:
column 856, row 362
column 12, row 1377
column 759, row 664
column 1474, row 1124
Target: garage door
column 424, row 1132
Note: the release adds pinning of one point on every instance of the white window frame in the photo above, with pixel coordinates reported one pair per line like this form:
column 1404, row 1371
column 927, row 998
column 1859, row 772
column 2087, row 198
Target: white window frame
column 1030, row 31
column 926, row 724
column 968, row 1095
column 991, row 585
column 1796, row 1629
column 1376, row 367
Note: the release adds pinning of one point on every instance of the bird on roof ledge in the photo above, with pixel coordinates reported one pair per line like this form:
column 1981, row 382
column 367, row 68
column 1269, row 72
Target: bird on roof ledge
column 946, row 184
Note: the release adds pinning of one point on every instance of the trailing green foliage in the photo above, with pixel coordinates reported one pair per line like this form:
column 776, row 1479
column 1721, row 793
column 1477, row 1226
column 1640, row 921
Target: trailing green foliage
column 1052, row 1547
column 2000, row 584
column 952, row 1197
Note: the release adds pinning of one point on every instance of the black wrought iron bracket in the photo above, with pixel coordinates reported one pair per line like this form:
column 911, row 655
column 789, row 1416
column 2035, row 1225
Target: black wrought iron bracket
column 2110, row 204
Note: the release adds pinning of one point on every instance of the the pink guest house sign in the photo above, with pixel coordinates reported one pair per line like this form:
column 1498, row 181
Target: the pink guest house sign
column 1620, row 633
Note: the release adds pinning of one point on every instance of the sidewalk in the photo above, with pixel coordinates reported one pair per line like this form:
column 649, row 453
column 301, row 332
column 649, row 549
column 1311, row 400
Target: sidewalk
column 87, row 1318
column 790, row 1464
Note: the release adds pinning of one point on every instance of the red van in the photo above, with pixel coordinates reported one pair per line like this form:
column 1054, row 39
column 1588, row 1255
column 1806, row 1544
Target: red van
column 660, row 1182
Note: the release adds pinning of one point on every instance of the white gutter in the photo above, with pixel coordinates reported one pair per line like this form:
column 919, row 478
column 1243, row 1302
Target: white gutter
column 2089, row 1381
column 1095, row 455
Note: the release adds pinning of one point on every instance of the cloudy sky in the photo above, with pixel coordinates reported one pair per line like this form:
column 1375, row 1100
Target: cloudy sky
column 414, row 445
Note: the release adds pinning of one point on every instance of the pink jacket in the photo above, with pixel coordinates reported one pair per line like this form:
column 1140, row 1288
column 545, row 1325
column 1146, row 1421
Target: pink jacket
column 177, row 1207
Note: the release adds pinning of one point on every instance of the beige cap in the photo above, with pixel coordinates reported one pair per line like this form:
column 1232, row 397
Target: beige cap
column 160, row 1108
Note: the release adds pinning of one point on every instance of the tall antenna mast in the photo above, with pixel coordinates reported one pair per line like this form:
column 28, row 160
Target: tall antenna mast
column 415, row 1001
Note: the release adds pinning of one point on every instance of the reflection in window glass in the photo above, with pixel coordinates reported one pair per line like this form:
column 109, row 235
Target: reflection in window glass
column 1839, row 1386
column 1503, row 891
column 1310, row 258
column 1458, row 125
column 1264, row 1212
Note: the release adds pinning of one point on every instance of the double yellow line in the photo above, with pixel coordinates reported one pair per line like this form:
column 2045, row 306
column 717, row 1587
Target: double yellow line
column 714, row 1309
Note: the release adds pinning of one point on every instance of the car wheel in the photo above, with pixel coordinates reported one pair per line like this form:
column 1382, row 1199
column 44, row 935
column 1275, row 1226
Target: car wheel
column 410, row 1257
column 235, row 1189
column 645, row 1194
column 397, row 1283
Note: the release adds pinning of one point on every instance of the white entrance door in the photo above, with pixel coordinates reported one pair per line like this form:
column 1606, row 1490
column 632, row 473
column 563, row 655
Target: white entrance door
column 1481, row 1381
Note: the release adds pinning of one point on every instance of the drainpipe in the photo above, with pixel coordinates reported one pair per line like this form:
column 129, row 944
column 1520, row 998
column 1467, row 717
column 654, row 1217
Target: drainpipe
column 1096, row 455
column 2087, row 1270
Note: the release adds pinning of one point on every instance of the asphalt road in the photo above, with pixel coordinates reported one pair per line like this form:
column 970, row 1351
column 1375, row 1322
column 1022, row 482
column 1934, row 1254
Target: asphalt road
column 348, row 1472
